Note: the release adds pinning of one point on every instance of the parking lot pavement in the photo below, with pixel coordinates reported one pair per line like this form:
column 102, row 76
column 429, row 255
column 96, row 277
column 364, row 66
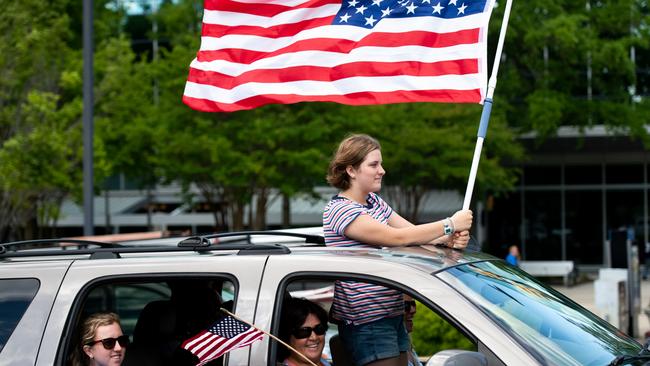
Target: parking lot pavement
column 583, row 294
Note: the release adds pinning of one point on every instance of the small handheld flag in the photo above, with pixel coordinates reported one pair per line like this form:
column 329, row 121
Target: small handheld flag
column 220, row 338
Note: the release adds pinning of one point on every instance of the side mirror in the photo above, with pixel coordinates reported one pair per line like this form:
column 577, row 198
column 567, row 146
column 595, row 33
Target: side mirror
column 456, row 357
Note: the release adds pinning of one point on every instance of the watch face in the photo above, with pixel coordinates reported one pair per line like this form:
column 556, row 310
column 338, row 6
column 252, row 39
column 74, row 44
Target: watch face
column 447, row 229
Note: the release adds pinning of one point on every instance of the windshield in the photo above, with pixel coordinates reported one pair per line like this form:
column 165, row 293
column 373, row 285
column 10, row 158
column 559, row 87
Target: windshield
column 548, row 324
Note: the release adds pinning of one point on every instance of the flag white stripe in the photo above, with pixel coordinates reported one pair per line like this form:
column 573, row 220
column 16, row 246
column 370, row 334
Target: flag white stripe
column 243, row 343
column 337, row 87
column 331, row 59
column 351, row 33
column 214, row 341
column 277, row 2
column 225, row 344
column 207, row 340
column 389, row 25
column 234, row 19
column 199, row 339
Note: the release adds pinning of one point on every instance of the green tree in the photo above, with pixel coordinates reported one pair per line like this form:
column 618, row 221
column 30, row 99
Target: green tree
column 33, row 54
column 569, row 63
column 432, row 334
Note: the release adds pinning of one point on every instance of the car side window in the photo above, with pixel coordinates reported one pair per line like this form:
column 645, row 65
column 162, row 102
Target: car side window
column 15, row 297
column 157, row 315
column 429, row 332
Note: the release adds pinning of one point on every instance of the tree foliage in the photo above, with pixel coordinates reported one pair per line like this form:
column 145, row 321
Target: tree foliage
column 564, row 63
column 432, row 334
column 569, row 63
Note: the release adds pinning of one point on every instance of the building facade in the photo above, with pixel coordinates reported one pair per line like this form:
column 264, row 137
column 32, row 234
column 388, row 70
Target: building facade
column 575, row 189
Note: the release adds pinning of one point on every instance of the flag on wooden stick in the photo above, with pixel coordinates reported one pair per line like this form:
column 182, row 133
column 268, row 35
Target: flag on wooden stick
column 220, row 338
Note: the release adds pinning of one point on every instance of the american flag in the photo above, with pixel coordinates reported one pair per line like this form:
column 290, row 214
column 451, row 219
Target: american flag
column 357, row 52
column 222, row 337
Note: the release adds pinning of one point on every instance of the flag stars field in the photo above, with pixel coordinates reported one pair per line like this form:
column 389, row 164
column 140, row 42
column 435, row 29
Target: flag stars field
column 370, row 21
column 368, row 10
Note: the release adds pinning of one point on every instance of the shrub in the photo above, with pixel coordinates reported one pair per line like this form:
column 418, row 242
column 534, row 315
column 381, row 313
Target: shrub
column 432, row 334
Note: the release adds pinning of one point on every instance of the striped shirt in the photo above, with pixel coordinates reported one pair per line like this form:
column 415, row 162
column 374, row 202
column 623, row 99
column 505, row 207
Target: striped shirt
column 357, row 302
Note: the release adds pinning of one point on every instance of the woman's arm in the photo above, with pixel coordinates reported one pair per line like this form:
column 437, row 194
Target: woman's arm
column 458, row 240
column 400, row 232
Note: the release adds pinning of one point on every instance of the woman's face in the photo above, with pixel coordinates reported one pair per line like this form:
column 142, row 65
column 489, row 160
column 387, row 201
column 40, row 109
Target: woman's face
column 369, row 174
column 99, row 355
column 312, row 346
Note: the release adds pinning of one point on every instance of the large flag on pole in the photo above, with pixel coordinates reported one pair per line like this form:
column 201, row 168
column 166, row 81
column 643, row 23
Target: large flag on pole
column 357, row 52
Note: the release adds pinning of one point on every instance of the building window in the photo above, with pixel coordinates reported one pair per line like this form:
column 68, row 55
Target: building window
column 583, row 174
column 624, row 174
column 584, row 222
column 543, row 226
column 542, row 175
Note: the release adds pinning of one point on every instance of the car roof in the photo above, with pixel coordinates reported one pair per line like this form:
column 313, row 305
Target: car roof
column 428, row 258
column 301, row 242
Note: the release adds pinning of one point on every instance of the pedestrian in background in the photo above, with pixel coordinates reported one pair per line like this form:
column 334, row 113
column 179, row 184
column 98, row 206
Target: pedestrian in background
column 513, row 255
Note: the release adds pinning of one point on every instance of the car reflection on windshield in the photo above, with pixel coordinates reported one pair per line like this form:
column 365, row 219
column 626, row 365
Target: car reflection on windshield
column 548, row 324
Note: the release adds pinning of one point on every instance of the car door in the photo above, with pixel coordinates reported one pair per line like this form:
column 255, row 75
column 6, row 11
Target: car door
column 244, row 271
column 22, row 343
column 428, row 289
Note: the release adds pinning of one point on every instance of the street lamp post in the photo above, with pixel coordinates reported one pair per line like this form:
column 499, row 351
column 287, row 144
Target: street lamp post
column 87, row 116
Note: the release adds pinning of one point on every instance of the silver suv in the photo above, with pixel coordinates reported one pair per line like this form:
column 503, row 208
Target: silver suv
column 160, row 291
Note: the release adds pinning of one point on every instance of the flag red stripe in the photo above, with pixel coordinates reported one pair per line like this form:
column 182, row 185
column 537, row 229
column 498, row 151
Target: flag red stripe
column 190, row 342
column 251, row 48
column 455, row 67
column 416, row 38
column 208, row 344
column 261, row 9
column 362, row 98
column 283, row 30
column 226, row 345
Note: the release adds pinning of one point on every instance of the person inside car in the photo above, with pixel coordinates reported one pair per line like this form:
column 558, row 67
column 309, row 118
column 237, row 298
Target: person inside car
column 370, row 317
column 303, row 326
column 410, row 308
column 103, row 342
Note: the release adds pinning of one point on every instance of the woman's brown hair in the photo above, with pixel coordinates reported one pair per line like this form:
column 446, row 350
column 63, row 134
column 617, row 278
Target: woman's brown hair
column 351, row 152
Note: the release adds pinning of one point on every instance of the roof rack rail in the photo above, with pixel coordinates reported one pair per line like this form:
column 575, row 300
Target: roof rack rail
column 49, row 243
column 201, row 244
column 114, row 252
column 203, row 240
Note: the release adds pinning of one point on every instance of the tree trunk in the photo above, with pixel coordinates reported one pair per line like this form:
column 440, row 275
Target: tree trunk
column 286, row 211
column 260, row 208
column 237, row 215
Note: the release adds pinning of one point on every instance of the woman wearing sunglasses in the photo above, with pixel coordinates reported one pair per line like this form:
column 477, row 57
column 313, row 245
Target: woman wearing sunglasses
column 303, row 327
column 103, row 342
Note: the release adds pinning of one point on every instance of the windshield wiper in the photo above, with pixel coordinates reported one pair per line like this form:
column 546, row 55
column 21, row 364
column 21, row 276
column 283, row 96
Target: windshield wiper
column 642, row 355
column 622, row 360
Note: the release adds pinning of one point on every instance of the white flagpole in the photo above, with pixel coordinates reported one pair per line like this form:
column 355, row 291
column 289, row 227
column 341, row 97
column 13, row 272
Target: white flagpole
column 487, row 108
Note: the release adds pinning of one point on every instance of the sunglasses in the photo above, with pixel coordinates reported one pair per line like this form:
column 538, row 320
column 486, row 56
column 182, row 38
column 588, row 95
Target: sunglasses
column 305, row 332
column 409, row 304
column 109, row 343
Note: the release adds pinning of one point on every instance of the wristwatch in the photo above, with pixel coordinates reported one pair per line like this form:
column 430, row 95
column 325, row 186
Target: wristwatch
column 446, row 225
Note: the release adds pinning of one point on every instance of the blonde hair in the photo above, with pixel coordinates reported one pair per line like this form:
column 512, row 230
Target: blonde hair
column 351, row 152
column 87, row 333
